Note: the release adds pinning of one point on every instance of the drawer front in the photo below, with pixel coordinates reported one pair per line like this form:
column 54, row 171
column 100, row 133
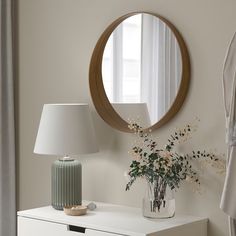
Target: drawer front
column 33, row 227
column 90, row 232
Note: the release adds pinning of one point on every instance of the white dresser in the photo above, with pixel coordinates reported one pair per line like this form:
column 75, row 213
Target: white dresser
column 106, row 220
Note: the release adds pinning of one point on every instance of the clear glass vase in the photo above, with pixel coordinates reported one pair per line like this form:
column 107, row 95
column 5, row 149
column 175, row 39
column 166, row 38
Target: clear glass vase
column 159, row 200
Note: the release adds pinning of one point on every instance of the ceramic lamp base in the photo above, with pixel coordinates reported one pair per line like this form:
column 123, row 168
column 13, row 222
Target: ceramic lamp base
column 66, row 183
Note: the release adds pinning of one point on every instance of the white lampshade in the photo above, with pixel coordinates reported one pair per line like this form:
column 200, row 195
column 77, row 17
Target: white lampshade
column 65, row 129
column 133, row 111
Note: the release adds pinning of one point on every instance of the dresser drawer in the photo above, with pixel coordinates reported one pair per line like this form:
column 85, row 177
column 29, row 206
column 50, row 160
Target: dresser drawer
column 33, row 227
column 90, row 232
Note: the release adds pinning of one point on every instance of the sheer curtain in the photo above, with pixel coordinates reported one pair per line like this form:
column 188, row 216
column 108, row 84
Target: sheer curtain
column 160, row 68
column 142, row 64
column 7, row 137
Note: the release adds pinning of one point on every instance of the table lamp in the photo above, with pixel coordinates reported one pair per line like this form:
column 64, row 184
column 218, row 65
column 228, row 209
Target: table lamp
column 64, row 130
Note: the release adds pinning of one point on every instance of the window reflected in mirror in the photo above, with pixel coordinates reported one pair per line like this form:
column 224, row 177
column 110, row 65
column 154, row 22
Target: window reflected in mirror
column 142, row 64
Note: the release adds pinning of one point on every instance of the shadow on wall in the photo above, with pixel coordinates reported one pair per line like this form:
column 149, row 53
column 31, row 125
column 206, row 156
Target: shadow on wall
column 110, row 139
column 104, row 133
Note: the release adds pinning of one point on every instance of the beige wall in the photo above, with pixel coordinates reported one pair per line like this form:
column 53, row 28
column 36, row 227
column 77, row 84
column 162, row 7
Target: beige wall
column 56, row 40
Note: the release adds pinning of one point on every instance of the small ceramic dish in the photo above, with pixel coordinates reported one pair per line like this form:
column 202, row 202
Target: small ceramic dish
column 76, row 210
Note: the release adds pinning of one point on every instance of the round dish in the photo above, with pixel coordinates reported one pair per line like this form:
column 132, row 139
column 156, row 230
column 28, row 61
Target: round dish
column 76, row 210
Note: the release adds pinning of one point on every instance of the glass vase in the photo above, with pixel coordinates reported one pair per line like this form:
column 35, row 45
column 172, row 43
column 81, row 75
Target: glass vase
column 159, row 200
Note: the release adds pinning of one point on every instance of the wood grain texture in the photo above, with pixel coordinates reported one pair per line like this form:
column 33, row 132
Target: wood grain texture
column 98, row 94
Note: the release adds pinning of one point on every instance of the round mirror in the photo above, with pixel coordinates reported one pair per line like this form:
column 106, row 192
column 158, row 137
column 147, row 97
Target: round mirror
column 139, row 71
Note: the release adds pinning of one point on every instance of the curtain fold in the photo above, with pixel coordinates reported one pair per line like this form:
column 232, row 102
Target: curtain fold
column 7, row 130
column 228, row 199
column 160, row 66
column 150, row 66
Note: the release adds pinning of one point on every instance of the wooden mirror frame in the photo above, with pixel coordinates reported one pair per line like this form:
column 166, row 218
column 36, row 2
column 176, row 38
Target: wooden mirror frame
column 98, row 94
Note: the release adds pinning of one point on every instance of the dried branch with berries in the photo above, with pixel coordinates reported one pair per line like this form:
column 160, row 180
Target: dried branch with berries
column 165, row 167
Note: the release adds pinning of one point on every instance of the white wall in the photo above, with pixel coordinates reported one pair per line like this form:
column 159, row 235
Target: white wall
column 56, row 40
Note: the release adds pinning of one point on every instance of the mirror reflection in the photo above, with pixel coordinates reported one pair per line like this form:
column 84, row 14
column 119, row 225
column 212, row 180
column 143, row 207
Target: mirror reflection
column 142, row 65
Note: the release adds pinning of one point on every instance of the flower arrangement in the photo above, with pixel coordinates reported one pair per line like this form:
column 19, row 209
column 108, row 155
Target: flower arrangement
column 165, row 167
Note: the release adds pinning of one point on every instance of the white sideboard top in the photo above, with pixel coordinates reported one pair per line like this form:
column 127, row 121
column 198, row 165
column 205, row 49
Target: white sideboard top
column 113, row 218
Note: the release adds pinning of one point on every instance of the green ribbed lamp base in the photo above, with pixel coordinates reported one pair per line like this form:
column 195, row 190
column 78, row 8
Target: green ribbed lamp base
column 66, row 183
